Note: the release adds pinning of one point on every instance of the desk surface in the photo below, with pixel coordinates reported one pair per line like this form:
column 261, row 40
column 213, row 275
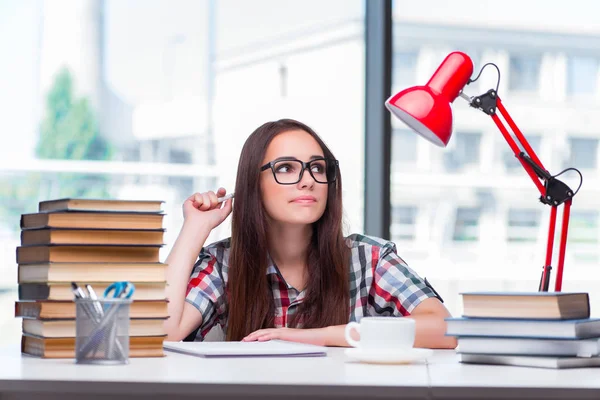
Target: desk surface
column 451, row 379
column 321, row 377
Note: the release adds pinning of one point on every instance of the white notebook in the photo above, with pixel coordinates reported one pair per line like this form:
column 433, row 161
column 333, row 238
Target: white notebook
column 272, row 348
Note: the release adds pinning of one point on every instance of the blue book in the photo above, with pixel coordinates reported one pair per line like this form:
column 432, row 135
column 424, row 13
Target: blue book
column 524, row 328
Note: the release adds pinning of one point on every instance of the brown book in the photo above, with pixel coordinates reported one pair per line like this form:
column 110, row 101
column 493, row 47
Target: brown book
column 91, row 272
column 66, row 327
column 91, row 236
column 100, row 205
column 535, row 305
column 63, row 291
column 83, row 253
column 92, row 220
column 139, row 346
column 66, row 309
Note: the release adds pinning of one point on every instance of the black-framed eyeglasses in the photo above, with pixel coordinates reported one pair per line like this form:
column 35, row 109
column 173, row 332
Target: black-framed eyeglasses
column 289, row 170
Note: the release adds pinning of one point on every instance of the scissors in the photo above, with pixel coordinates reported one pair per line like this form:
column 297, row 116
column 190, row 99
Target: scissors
column 119, row 290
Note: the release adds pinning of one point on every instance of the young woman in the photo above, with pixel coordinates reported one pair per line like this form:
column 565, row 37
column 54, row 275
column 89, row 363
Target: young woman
column 287, row 272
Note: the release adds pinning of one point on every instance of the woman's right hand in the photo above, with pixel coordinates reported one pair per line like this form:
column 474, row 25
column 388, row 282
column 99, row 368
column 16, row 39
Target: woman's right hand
column 203, row 209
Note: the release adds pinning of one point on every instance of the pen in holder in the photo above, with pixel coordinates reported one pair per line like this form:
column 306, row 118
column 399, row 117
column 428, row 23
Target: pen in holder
column 102, row 330
column 102, row 326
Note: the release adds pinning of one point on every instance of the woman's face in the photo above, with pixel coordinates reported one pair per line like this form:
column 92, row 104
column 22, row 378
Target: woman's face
column 302, row 202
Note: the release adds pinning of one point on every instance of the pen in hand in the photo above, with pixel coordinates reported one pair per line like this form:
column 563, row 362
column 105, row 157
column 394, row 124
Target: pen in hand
column 226, row 197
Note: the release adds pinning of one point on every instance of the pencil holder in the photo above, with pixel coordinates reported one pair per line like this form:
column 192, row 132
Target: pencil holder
column 102, row 331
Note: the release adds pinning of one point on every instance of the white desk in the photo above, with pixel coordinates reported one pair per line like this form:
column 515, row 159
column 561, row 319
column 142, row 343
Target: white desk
column 452, row 380
column 332, row 377
column 24, row 377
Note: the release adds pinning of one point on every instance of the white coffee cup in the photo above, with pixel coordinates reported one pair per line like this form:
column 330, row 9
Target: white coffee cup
column 392, row 333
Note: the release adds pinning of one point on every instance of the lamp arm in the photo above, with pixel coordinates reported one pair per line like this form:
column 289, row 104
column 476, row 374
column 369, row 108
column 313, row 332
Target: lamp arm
column 553, row 192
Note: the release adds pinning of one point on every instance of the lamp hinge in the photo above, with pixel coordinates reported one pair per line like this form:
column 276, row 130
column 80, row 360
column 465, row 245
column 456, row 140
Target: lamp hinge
column 485, row 102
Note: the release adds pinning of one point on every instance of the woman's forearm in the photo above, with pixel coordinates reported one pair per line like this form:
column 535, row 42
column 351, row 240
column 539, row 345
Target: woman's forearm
column 180, row 262
column 335, row 336
column 430, row 333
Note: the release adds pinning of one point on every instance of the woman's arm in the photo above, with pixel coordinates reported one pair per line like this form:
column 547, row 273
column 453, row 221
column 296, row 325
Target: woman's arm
column 202, row 213
column 183, row 318
column 429, row 316
column 430, row 332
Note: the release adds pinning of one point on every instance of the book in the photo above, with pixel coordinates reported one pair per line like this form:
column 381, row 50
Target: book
column 66, row 309
column 83, row 253
column 92, row 220
column 66, row 236
column 535, row 305
column 530, row 347
column 139, row 346
column 91, row 272
column 70, row 204
column 246, row 349
column 524, row 361
column 66, row 327
column 63, row 290
column 549, row 329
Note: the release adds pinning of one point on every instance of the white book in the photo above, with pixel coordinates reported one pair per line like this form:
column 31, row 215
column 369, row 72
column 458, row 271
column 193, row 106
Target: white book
column 530, row 347
column 526, row 361
column 272, row 348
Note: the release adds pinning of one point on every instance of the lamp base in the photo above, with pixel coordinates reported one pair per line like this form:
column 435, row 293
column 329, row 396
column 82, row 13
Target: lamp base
column 545, row 279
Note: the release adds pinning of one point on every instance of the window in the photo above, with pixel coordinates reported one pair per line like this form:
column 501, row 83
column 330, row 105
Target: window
column 524, row 73
column 534, row 74
column 404, row 146
column 466, row 226
column 523, row 225
column 583, row 153
column 404, row 219
column 465, row 152
column 582, row 75
column 510, row 162
column 164, row 101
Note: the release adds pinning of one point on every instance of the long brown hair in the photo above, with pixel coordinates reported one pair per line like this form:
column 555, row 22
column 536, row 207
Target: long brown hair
column 251, row 305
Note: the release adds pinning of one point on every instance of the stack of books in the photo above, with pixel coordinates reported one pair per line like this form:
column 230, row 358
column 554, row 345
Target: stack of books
column 95, row 242
column 542, row 329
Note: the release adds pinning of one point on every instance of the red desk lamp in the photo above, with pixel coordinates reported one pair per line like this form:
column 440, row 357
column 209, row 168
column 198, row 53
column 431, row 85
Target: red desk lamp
column 426, row 110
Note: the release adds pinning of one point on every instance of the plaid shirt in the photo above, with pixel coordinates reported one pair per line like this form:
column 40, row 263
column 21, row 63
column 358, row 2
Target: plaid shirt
column 380, row 284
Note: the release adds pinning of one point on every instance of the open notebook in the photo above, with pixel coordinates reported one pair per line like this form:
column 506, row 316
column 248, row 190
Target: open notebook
column 272, row 348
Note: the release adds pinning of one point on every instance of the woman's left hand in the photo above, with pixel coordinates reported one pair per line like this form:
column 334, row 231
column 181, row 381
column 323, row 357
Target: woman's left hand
column 310, row 336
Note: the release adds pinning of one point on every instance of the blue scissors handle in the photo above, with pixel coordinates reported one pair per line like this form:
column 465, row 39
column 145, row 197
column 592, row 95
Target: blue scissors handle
column 120, row 290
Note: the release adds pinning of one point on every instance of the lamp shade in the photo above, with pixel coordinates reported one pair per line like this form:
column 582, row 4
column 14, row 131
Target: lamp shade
column 426, row 109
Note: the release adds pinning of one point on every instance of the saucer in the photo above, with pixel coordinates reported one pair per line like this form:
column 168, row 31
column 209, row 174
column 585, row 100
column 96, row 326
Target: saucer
column 388, row 356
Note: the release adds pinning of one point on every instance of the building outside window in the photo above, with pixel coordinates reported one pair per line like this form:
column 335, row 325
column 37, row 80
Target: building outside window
column 404, row 147
column 404, row 220
column 466, row 226
column 523, row 225
column 404, row 68
column 583, row 153
column 582, row 75
column 584, row 226
column 464, row 153
column 524, row 72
